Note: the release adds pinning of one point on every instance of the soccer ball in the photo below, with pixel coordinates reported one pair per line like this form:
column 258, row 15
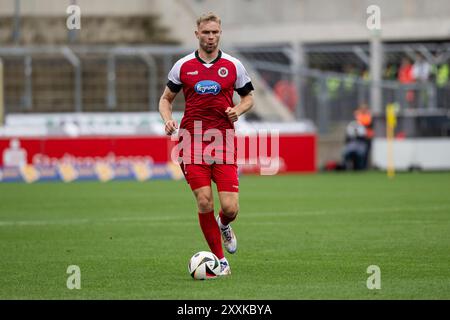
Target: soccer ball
column 204, row 265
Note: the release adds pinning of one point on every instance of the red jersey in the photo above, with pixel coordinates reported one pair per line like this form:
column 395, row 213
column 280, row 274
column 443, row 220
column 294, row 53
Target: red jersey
column 208, row 90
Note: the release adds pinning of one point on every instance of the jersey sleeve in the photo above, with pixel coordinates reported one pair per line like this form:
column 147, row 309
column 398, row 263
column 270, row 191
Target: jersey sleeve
column 174, row 82
column 243, row 85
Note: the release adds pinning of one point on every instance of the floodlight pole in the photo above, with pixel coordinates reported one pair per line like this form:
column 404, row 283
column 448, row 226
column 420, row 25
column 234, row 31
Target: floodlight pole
column 111, row 96
column 16, row 23
column 152, row 81
column 298, row 63
column 28, row 86
column 376, row 65
column 2, row 106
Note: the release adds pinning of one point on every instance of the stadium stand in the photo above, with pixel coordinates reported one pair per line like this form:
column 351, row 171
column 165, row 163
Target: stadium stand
column 119, row 63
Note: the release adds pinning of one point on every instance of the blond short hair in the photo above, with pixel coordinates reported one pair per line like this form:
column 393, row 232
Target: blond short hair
column 208, row 17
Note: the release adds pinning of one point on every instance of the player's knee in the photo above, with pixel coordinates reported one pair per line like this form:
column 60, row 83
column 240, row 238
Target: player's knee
column 205, row 203
column 230, row 210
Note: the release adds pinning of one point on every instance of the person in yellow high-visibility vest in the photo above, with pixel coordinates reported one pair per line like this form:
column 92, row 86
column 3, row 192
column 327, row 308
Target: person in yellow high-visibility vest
column 442, row 75
column 364, row 117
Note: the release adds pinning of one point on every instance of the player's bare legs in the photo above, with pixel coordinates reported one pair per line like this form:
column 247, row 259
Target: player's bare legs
column 204, row 197
column 208, row 224
column 229, row 202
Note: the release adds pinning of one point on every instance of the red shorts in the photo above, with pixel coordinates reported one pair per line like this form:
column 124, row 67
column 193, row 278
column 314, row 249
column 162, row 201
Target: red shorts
column 200, row 175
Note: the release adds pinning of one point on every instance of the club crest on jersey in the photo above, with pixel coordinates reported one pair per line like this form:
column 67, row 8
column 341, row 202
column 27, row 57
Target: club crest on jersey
column 207, row 87
column 223, row 72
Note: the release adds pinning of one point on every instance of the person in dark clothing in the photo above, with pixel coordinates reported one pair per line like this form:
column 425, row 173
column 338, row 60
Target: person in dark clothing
column 355, row 149
column 363, row 117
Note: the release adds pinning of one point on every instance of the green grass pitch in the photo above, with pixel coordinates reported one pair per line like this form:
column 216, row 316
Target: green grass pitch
column 300, row 237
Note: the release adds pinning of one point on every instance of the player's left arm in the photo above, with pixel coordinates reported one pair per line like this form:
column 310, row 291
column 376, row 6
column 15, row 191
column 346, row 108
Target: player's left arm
column 244, row 87
column 242, row 107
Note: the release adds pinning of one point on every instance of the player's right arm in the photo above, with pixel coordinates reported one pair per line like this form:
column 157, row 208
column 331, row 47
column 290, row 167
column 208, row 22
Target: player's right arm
column 165, row 110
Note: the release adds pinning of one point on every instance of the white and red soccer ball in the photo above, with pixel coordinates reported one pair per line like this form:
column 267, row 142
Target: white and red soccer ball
column 204, row 265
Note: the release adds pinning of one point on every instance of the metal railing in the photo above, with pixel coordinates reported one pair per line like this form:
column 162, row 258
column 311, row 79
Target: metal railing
column 125, row 79
column 78, row 79
column 331, row 97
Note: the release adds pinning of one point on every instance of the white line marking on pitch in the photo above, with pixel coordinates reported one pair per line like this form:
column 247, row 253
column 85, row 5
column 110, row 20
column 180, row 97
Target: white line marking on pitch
column 7, row 223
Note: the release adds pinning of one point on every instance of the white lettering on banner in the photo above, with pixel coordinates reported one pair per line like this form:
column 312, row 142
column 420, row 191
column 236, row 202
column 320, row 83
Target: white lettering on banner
column 15, row 155
column 45, row 160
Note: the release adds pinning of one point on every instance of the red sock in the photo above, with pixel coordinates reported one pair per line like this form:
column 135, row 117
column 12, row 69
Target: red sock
column 224, row 219
column 211, row 232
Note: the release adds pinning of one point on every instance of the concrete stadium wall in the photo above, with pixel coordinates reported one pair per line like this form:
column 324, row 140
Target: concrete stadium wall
column 263, row 12
column 267, row 21
column 88, row 7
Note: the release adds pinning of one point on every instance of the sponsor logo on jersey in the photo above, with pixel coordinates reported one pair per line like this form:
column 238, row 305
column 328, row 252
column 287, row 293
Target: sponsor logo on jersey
column 192, row 73
column 223, row 72
column 207, row 87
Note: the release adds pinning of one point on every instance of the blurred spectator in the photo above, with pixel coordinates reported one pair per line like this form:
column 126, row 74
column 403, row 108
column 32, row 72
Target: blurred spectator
column 358, row 138
column 286, row 92
column 421, row 69
column 355, row 148
column 421, row 72
column 363, row 117
column 390, row 73
column 365, row 75
column 333, row 85
column 350, row 77
column 405, row 76
column 442, row 74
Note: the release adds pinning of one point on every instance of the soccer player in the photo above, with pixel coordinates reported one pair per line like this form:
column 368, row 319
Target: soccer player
column 209, row 78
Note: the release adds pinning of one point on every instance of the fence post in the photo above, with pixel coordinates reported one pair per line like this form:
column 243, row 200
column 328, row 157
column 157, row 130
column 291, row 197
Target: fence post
column 152, row 81
column 111, row 98
column 2, row 106
column 28, row 90
column 323, row 99
column 16, row 22
column 76, row 63
column 298, row 62
column 376, row 65
column 432, row 93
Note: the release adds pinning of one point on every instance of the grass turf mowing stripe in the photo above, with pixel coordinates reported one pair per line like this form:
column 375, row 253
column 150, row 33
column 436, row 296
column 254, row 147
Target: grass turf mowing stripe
column 300, row 237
